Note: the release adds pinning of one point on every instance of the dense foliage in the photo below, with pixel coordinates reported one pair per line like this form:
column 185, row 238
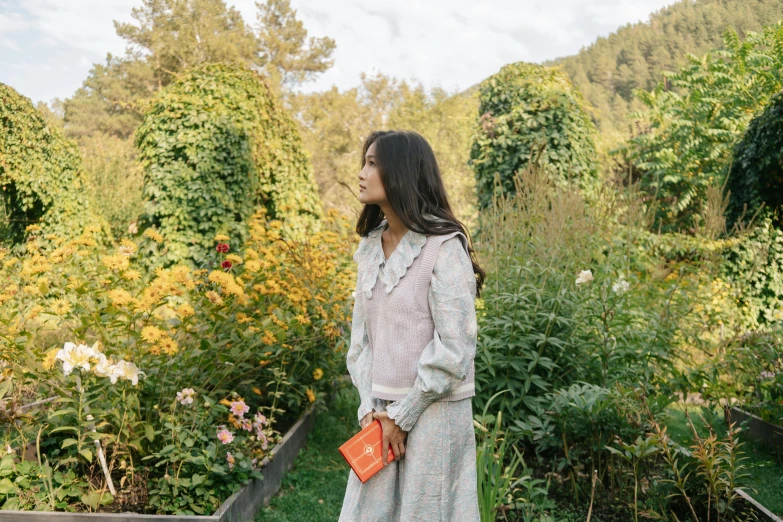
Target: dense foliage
column 184, row 378
column 694, row 127
column 756, row 175
column 215, row 145
column 635, row 56
column 41, row 175
column 334, row 123
column 523, row 108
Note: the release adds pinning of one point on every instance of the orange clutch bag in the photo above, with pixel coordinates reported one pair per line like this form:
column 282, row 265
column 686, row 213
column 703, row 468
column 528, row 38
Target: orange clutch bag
column 363, row 451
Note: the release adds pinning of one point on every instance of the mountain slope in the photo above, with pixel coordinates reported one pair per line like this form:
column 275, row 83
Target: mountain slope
column 635, row 56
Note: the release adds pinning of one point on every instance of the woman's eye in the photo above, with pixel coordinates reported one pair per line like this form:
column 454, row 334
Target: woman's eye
column 372, row 163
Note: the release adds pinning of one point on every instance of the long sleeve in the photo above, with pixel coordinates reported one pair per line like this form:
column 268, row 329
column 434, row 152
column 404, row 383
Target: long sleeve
column 359, row 357
column 447, row 358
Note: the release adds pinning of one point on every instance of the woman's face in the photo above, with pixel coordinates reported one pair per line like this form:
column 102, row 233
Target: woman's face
column 370, row 187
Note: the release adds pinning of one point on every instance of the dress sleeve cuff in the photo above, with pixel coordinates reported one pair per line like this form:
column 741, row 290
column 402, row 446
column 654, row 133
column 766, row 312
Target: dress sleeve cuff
column 405, row 412
column 364, row 408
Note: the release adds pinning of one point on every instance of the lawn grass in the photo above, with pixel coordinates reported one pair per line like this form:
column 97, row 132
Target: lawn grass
column 763, row 465
column 313, row 490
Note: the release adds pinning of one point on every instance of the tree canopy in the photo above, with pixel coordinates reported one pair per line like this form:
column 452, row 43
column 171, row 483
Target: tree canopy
column 635, row 57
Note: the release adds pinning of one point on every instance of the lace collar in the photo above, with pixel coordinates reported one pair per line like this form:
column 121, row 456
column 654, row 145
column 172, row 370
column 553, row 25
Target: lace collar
column 370, row 257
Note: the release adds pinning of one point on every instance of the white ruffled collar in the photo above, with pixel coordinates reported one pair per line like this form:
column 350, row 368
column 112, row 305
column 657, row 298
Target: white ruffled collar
column 370, row 257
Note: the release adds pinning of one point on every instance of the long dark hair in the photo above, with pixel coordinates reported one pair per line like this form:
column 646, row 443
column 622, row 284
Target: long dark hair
column 414, row 188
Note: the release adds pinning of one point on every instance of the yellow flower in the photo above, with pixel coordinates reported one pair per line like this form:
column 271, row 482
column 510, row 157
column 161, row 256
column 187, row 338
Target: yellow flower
column 9, row 262
column 153, row 235
column 61, row 307
column 234, row 258
column 50, row 358
column 120, row 297
column 115, row 262
column 253, row 265
column 257, row 391
column 214, row 297
column 317, row 374
column 310, row 395
column 131, row 275
column 32, row 228
column 34, row 311
column 168, row 345
column 185, row 310
column 222, row 237
column 151, row 333
column 242, row 318
column 268, row 338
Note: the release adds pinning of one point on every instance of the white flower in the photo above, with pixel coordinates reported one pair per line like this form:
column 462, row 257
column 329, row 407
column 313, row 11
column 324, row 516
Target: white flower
column 74, row 356
column 186, row 396
column 104, row 367
column 621, row 286
column 585, row 276
column 127, row 370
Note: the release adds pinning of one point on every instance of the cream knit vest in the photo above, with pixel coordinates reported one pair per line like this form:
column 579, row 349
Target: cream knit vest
column 399, row 325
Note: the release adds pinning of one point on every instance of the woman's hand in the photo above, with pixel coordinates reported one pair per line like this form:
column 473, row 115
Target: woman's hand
column 367, row 419
column 392, row 434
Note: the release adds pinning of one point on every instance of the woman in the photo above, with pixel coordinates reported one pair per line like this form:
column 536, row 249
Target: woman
column 413, row 339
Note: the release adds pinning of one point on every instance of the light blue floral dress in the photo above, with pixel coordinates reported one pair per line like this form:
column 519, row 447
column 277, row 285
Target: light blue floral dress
column 436, row 479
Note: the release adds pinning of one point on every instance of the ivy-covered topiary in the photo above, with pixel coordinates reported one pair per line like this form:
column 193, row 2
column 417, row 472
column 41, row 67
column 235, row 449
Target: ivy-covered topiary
column 523, row 108
column 41, row 175
column 756, row 174
column 215, row 145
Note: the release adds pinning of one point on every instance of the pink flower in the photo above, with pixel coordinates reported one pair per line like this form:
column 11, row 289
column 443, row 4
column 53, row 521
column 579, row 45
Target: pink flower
column 239, row 408
column 259, row 420
column 186, row 396
column 260, row 435
column 247, row 425
column 230, row 459
column 224, row 435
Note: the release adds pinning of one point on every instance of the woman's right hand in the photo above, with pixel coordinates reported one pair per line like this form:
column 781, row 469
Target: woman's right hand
column 367, row 419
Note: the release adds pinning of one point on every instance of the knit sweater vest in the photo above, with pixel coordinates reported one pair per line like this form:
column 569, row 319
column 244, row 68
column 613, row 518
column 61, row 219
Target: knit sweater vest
column 399, row 326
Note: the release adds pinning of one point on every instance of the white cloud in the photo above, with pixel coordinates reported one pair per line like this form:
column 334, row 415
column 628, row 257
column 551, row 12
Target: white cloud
column 448, row 43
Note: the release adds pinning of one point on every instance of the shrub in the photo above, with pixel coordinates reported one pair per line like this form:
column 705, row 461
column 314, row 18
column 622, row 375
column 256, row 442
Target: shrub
column 41, row 175
column 756, row 175
column 522, row 108
column 215, row 146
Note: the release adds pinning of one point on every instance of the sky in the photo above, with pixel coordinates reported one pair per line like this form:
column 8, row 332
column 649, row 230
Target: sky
column 47, row 47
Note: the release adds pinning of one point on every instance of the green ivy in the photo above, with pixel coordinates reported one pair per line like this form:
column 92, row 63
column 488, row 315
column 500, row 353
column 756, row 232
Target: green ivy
column 755, row 267
column 215, row 146
column 525, row 107
column 756, row 175
column 41, row 175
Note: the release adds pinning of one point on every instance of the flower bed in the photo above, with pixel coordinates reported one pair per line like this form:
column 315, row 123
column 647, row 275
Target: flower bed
column 241, row 506
column 169, row 386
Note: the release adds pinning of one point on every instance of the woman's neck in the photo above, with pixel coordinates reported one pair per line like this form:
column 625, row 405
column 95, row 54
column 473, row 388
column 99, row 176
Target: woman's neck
column 395, row 228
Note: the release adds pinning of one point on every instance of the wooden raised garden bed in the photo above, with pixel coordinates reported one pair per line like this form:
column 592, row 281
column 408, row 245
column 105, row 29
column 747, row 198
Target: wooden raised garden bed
column 757, row 428
column 242, row 506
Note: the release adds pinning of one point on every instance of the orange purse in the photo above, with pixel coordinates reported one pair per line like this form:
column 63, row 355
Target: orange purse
column 363, row 451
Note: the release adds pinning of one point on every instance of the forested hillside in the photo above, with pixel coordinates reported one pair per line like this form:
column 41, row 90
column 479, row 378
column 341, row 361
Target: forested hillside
column 635, row 56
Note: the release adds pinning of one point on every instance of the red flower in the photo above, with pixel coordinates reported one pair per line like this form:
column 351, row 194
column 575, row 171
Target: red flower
column 222, row 248
column 226, row 264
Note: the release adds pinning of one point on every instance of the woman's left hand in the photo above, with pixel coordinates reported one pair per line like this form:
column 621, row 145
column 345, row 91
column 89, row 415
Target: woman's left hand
column 392, row 434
